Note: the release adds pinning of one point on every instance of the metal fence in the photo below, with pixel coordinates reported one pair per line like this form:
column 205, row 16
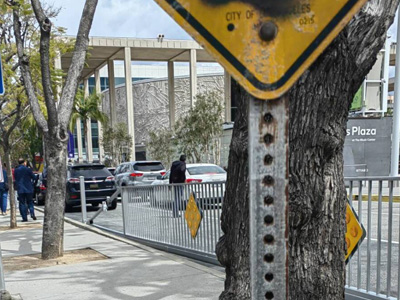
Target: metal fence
column 155, row 215
column 373, row 272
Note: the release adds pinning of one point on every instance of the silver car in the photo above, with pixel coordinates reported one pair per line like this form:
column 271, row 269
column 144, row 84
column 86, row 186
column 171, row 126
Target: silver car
column 138, row 173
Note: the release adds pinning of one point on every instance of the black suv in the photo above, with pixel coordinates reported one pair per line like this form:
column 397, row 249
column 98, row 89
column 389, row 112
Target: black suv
column 99, row 183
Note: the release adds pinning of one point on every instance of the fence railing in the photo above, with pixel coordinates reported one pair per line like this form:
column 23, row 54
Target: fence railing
column 155, row 215
column 373, row 272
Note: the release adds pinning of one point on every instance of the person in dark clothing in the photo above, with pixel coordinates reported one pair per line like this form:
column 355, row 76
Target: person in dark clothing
column 4, row 192
column 178, row 175
column 24, row 179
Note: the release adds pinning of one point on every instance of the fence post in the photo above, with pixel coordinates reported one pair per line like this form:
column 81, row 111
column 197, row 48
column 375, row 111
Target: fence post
column 83, row 198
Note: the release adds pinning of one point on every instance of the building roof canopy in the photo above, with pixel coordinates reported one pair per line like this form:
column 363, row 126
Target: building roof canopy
column 101, row 49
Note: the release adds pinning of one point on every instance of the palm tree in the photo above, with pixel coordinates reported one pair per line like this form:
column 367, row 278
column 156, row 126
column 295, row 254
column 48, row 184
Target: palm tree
column 86, row 108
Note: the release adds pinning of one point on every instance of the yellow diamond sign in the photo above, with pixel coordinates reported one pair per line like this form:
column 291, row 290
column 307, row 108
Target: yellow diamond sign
column 264, row 44
column 193, row 216
column 355, row 232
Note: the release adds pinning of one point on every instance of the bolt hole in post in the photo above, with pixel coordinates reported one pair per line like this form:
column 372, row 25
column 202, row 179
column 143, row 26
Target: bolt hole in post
column 268, row 159
column 269, row 295
column 269, row 200
column 231, row 27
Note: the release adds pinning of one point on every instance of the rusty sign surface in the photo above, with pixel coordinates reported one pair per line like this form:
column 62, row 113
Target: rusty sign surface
column 264, row 44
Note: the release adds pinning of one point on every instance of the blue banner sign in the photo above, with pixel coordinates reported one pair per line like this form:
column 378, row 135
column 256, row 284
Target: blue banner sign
column 1, row 79
column 71, row 146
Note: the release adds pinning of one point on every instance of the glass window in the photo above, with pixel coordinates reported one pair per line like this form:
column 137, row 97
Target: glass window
column 90, row 171
column 202, row 170
column 148, row 166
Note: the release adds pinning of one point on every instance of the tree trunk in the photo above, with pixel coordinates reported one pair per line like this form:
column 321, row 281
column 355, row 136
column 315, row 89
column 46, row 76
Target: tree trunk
column 11, row 191
column 53, row 225
column 319, row 105
column 233, row 248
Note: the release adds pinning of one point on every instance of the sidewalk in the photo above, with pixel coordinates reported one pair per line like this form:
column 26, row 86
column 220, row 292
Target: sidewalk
column 132, row 271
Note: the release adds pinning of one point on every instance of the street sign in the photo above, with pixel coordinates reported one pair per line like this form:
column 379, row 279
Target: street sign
column 265, row 45
column 1, row 79
column 355, row 232
column 193, row 216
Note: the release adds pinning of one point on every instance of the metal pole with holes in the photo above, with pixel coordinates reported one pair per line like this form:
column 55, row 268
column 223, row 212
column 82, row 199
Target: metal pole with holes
column 268, row 169
column 83, row 198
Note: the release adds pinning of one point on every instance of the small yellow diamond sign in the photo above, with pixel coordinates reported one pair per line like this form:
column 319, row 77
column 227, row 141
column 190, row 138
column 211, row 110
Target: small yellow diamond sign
column 193, row 216
column 264, row 44
column 355, row 233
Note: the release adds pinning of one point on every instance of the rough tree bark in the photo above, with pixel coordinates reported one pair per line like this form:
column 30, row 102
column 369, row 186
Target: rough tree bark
column 319, row 105
column 55, row 128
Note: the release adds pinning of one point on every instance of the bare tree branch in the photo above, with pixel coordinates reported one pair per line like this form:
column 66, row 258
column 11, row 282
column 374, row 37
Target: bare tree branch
column 16, row 121
column 78, row 59
column 45, row 30
column 26, row 74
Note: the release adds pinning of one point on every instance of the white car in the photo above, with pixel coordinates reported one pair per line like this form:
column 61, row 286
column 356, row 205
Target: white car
column 207, row 181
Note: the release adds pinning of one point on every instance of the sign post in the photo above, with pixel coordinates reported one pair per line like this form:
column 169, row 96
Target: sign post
column 266, row 46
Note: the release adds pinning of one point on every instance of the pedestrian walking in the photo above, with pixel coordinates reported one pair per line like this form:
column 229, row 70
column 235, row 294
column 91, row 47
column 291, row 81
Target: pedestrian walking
column 3, row 190
column 24, row 179
column 178, row 175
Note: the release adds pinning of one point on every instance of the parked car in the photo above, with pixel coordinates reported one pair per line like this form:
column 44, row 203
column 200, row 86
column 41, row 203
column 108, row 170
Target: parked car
column 112, row 170
column 195, row 173
column 138, row 173
column 99, row 184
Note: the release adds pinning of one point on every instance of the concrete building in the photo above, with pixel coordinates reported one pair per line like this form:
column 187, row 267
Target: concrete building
column 104, row 52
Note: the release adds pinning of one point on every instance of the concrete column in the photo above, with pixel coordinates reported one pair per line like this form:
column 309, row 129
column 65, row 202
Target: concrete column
column 111, row 83
column 79, row 138
column 171, row 93
column 89, row 146
column 394, row 167
column 193, row 76
column 227, row 97
column 99, row 125
column 129, row 99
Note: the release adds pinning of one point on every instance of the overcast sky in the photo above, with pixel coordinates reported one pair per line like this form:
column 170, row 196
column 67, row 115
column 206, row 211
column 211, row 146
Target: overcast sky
column 120, row 18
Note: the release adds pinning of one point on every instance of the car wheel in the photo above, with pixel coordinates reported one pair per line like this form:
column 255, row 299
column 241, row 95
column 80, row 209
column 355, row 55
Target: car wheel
column 113, row 205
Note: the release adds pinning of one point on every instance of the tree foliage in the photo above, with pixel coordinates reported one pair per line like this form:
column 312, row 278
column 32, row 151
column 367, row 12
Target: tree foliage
column 117, row 143
column 197, row 134
column 161, row 146
column 86, row 108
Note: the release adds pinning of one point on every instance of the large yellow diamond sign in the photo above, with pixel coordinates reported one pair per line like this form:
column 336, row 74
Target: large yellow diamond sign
column 193, row 216
column 264, row 44
column 355, row 232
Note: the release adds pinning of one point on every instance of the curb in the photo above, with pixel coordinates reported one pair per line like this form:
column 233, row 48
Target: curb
column 170, row 256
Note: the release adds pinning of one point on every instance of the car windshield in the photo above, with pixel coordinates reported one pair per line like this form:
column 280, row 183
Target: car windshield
column 90, row 171
column 203, row 170
column 148, row 166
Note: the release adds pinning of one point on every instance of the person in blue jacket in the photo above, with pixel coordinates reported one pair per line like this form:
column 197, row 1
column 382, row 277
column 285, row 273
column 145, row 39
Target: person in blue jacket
column 24, row 179
column 4, row 192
